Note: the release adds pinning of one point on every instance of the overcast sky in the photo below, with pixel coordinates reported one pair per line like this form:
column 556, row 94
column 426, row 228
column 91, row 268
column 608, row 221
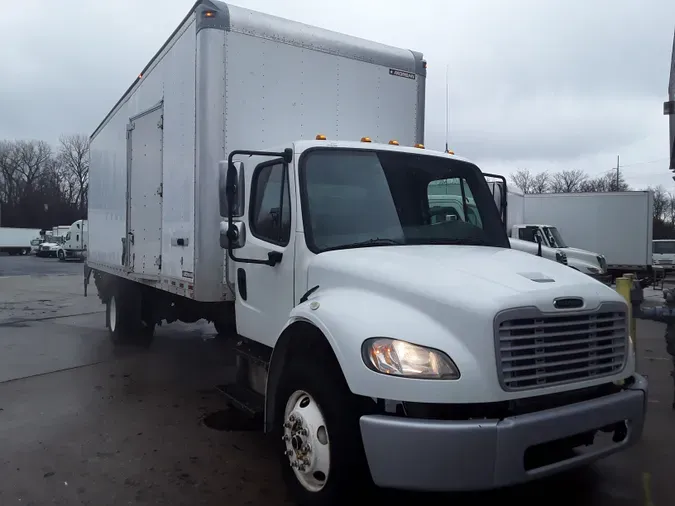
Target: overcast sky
column 543, row 85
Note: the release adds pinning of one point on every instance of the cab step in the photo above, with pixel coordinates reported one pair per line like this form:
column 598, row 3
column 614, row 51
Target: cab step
column 243, row 398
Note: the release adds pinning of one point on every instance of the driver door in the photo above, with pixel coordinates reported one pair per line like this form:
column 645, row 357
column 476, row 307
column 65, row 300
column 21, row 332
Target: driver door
column 265, row 294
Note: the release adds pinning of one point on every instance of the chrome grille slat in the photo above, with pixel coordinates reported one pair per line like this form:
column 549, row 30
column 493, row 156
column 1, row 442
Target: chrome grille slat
column 536, row 350
column 594, row 358
column 543, row 325
column 517, row 358
column 563, row 333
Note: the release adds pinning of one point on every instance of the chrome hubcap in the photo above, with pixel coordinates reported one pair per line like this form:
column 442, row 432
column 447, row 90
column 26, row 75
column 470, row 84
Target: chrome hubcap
column 306, row 440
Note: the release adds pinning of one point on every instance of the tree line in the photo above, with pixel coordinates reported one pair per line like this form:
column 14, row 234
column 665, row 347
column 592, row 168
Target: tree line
column 577, row 181
column 42, row 186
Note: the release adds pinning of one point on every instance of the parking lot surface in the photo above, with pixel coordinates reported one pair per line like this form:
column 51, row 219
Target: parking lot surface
column 33, row 266
column 84, row 423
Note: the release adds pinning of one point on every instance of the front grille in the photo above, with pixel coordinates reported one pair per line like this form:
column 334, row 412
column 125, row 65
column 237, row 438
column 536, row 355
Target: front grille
column 536, row 350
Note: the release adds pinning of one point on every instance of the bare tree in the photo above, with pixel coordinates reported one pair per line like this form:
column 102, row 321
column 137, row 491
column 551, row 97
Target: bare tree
column 540, row 182
column 31, row 159
column 568, row 181
column 661, row 202
column 74, row 158
column 8, row 173
column 522, row 179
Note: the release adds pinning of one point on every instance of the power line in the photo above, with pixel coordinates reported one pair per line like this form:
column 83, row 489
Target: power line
column 644, row 163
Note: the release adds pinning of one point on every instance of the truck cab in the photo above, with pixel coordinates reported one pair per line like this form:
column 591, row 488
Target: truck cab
column 75, row 242
column 388, row 323
column 448, row 204
column 587, row 262
column 663, row 254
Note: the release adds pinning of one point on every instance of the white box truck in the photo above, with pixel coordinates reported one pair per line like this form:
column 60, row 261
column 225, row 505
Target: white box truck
column 616, row 225
column 229, row 183
column 17, row 241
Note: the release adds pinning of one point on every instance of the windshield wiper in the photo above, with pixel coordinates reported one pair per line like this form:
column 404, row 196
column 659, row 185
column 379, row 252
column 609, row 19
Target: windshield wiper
column 370, row 242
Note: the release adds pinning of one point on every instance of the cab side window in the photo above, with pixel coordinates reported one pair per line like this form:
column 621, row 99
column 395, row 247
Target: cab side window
column 528, row 234
column 270, row 211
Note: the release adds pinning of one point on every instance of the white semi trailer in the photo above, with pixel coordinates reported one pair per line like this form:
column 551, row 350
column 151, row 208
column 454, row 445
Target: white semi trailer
column 363, row 327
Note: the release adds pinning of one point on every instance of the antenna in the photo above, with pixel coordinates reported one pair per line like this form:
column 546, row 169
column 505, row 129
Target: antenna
column 447, row 106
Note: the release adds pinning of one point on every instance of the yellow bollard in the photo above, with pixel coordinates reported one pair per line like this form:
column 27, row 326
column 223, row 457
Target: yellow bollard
column 633, row 321
column 623, row 286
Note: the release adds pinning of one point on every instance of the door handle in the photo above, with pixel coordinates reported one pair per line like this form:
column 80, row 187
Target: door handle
column 274, row 257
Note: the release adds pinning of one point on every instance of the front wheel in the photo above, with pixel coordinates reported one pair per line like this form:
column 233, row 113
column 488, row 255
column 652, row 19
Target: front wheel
column 62, row 255
column 322, row 456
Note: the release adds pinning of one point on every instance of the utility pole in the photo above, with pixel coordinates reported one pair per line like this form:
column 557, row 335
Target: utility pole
column 617, row 173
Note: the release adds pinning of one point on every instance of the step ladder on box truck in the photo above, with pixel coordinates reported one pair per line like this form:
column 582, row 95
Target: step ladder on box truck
column 232, row 182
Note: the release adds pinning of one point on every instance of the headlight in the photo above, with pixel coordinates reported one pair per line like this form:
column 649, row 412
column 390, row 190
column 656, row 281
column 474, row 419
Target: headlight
column 400, row 358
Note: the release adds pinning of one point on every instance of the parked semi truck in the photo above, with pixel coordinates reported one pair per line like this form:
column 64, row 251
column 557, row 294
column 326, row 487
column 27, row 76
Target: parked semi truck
column 75, row 242
column 271, row 177
column 17, row 241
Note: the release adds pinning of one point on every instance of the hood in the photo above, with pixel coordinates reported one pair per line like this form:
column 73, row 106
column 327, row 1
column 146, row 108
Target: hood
column 583, row 255
column 476, row 278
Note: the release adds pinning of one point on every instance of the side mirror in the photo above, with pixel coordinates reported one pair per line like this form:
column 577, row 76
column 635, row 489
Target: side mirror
column 537, row 238
column 231, row 188
column 232, row 235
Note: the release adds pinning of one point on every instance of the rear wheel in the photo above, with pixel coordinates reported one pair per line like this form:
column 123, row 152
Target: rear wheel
column 124, row 318
column 317, row 420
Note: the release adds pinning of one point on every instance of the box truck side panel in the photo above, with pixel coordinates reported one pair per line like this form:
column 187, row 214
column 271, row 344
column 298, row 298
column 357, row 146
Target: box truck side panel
column 169, row 80
column 617, row 225
column 515, row 209
column 279, row 81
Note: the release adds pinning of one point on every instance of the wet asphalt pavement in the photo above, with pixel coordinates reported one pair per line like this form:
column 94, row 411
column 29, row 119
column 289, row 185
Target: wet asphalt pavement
column 83, row 423
column 32, row 265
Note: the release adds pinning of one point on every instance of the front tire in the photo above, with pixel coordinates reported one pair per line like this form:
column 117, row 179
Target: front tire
column 62, row 255
column 317, row 421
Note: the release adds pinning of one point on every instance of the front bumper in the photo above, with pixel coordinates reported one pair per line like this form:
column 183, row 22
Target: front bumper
column 438, row 455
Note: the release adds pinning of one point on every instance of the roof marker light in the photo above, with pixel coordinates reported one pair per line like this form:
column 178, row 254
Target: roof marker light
column 393, row 142
column 450, row 152
column 365, row 139
column 421, row 146
column 320, row 137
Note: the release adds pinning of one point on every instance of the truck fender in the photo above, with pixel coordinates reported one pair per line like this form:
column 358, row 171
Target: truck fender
column 343, row 318
column 302, row 320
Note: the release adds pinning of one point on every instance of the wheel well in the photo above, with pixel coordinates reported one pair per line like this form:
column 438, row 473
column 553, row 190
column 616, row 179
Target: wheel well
column 301, row 338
